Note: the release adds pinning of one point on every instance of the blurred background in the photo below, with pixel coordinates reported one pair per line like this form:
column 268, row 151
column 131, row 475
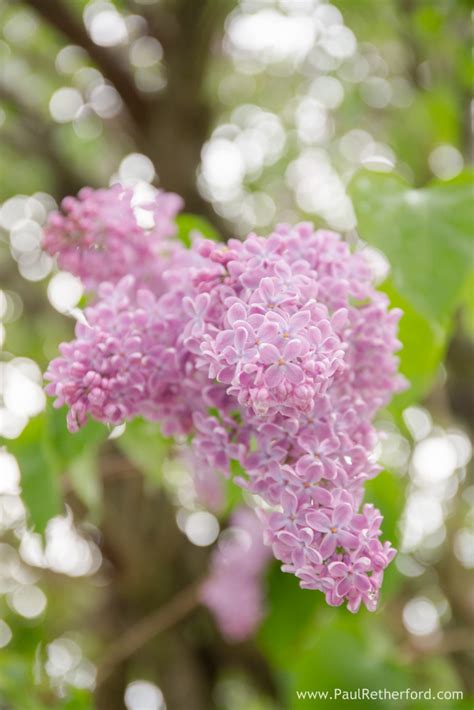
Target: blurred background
column 353, row 114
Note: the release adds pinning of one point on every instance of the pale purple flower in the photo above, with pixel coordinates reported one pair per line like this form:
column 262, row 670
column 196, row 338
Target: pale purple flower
column 351, row 577
column 270, row 295
column 320, row 458
column 300, row 546
column 97, row 236
column 292, row 515
column 290, row 327
column 196, row 310
column 335, row 528
column 283, row 364
column 233, row 589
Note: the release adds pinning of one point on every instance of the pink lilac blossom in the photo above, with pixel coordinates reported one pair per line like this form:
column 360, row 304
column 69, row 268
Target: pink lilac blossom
column 233, row 589
column 275, row 352
column 97, row 236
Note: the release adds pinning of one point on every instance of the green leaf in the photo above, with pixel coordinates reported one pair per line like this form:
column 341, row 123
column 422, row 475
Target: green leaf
column 468, row 307
column 233, row 493
column 291, row 613
column 346, row 652
column 39, row 473
column 188, row 223
column 83, row 473
column 424, row 342
column 19, row 688
column 66, row 446
column 316, row 647
column 76, row 453
column 426, row 234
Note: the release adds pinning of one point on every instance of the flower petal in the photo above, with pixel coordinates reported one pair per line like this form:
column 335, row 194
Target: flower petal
column 338, row 569
column 299, row 320
column 236, row 312
column 344, row 587
column 342, row 514
column 273, row 376
column 318, row 521
column 269, row 354
column 328, row 545
column 241, row 337
column 347, row 539
column 294, row 374
column 287, row 538
column 362, row 582
column 292, row 349
column 268, row 331
column 289, row 501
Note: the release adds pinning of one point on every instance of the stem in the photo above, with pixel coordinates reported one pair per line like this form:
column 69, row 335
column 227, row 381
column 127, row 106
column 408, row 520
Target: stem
column 147, row 628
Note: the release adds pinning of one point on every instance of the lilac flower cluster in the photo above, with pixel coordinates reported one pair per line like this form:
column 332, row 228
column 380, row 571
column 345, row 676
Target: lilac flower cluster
column 274, row 352
column 224, row 592
column 103, row 235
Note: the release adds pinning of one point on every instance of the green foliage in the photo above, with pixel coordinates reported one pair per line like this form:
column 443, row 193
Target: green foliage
column 45, row 450
column 423, row 346
column 234, row 494
column 318, row 648
column 39, row 473
column 468, row 311
column 427, row 236
column 291, row 616
column 341, row 650
column 190, row 223
column 19, row 690
column 66, row 446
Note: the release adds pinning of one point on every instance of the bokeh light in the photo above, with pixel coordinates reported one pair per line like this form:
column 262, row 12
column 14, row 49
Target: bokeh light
column 143, row 695
column 420, row 616
column 201, row 528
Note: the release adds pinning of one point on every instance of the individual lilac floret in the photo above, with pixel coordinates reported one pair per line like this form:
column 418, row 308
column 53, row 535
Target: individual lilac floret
column 103, row 235
column 233, row 590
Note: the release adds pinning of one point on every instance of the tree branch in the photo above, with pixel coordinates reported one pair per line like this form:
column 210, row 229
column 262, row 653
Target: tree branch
column 162, row 23
column 33, row 133
column 147, row 628
column 57, row 14
column 451, row 641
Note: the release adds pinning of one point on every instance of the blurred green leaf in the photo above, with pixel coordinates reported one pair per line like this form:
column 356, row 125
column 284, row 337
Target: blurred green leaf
column 291, row 611
column 387, row 492
column 468, row 306
column 345, row 652
column 424, row 342
column 63, row 452
column 426, row 234
column 67, row 446
column 20, row 690
column 83, row 473
column 188, row 223
column 39, row 473
column 315, row 647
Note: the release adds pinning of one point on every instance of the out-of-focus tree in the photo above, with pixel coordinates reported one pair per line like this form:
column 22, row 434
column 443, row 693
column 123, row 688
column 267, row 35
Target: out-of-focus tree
column 256, row 112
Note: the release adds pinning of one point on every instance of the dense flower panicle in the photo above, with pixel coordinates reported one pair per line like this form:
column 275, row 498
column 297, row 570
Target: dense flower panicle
column 233, row 589
column 124, row 362
column 103, row 235
column 274, row 352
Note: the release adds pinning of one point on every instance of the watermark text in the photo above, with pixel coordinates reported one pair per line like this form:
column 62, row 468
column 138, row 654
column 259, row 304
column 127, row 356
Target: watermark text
column 379, row 694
